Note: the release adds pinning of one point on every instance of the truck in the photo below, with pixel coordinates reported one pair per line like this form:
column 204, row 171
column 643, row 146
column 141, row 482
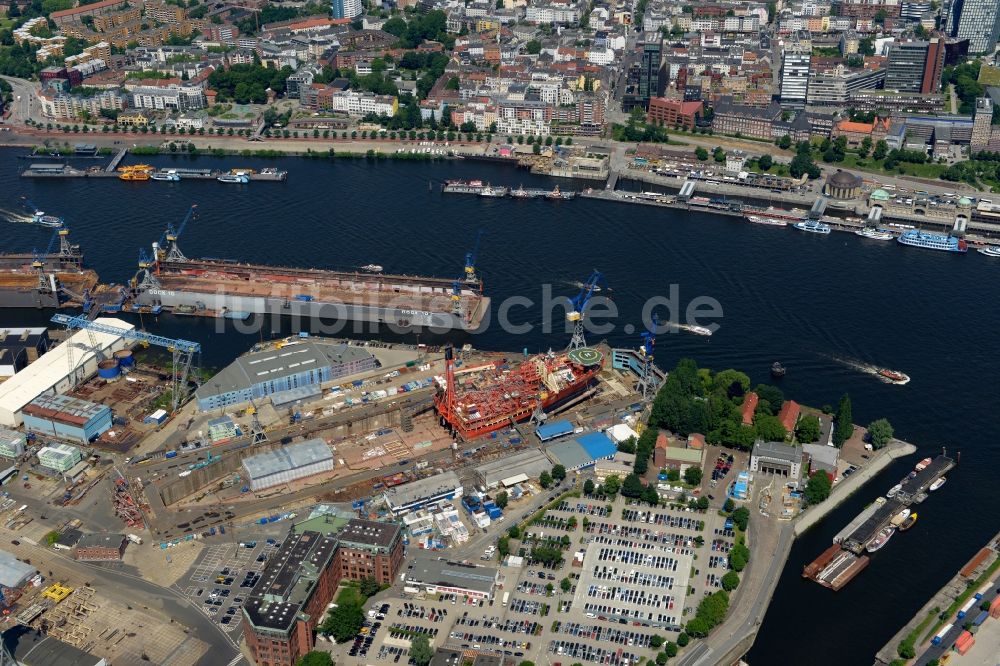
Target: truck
column 964, row 610
column 506, row 598
column 171, row 454
column 981, row 592
column 133, row 538
column 939, row 636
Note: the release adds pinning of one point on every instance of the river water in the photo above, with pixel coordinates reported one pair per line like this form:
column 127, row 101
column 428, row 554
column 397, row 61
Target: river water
column 818, row 304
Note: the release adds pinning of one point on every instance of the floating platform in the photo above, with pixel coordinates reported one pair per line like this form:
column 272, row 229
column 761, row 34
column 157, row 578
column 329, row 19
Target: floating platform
column 66, row 171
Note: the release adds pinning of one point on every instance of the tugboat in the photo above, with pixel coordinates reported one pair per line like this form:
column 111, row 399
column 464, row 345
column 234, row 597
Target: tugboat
column 777, row 370
column 908, row 523
column 893, row 376
column 881, row 539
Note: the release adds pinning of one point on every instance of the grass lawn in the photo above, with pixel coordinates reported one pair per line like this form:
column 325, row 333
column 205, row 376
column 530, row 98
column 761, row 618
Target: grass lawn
column 852, row 161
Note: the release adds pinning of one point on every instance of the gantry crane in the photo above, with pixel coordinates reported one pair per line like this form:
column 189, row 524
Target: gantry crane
column 146, row 277
column 649, row 381
column 183, row 352
column 167, row 250
column 470, row 261
column 256, row 430
column 575, row 315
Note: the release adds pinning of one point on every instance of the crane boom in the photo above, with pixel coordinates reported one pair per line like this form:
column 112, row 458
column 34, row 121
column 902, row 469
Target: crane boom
column 470, row 261
column 575, row 315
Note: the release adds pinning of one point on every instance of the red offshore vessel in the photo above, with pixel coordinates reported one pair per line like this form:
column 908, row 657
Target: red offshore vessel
column 488, row 398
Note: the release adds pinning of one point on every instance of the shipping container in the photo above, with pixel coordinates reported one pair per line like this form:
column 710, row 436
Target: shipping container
column 995, row 608
column 980, row 618
column 966, row 646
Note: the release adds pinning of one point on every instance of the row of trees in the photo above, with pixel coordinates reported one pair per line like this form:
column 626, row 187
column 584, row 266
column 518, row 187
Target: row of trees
column 248, row 83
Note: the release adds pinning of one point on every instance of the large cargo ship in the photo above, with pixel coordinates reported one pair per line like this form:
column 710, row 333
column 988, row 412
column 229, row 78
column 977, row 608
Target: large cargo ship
column 477, row 401
column 932, row 241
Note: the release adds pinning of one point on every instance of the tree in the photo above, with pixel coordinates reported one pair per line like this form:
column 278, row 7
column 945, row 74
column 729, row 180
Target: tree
column 739, row 556
column 845, row 425
column 701, row 154
column 906, row 650
column 719, row 155
column 728, row 505
column 632, row 486
column 534, row 47
column 503, row 547
column 879, row 433
column 683, row 639
column 881, row 149
column 772, row 395
column 818, row 487
column 785, row 142
column 545, row 480
column 558, row 472
column 612, row 485
column 769, row 428
column 807, row 429
column 865, row 147
column 565, row 585
column 514, row 532
column 730, row 581
column 369, row 586
column 627, row 445
column 344, row 622
column 692, row 475
column 501, row 499
column 741, row 517
column 420, row 650
column 670, row 649
column 315, row 658
column 588, row 487
column 661, row 658
column 765, row 162
column 703, row 503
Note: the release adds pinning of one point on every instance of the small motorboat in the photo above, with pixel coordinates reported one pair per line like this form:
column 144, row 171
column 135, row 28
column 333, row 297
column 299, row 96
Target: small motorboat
column 937, row 484
column 893, row 376
column 372, row 268
column 895, row 489
column 922, row 465
column 777, row 370
column 908, row 523
column 881, row 539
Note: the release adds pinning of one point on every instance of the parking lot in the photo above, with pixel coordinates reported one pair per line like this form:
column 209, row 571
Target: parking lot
column 222, row 578
column 631, row 572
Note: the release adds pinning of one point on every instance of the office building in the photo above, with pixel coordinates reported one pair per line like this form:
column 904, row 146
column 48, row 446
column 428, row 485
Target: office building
column 346, row 9
column 59, row 457
column 795, row 76
column 66, row 417
column 982, row 129
column 777, row 458
column 651, row 82
column 975, row 20
column 915, row 66
column 673, row 113
column 438, row 576
column 370, row 549
column 11, row 443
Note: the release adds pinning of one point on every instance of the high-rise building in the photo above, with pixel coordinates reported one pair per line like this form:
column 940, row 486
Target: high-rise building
column 346, row 8
column 982, row 124
column 975, row 20
column 915, row 66
column 795, row 75
column 650, row 75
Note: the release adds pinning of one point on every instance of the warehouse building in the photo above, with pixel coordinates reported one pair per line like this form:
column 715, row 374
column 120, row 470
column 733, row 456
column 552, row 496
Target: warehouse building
column 65, row 417
column 294, row 366
column 59, row 457
column 13, row 572
column 438, row 576
column 582, row 451
column 418, row 494
column 510, row 471
column 284, row 465
column 777, row 458
column 11, row 443
column 58, row 370
column 101, row 548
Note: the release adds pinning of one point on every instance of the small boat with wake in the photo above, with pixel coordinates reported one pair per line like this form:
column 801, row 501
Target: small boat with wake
column 893, row 376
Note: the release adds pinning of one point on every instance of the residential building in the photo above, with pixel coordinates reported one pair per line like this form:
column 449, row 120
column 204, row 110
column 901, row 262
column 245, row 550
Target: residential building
column 293, row 372
column 982, row 128
column 915, row 66
column 357, row 104
column 65, row 106
column 101, row 547
column 174, row 97
column 789, row 415
column 975, row 20
column 730, row 118
column 59, row 457
column 673, row 113
column 795, row 75
column 95, row 9
column 66, row 417
column 777, row 458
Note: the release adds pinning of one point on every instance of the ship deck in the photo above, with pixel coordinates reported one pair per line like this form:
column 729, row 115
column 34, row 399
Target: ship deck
column 919, row 484
column 867, row 531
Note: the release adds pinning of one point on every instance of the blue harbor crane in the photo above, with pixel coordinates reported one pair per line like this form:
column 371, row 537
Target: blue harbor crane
column 470, row 261
column 649, row 379
column 167, row 249
column 45, row 286
column 60, row 237
column 578, row 304
column 183, row 352
column 456, row 297
column 146, row 277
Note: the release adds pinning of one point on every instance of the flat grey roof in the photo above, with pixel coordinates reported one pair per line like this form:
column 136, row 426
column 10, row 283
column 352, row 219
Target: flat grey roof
column 287, row 458
column 31, row 649
column 368, row 533
column 429, row 570
column 423, row 488
column 824, row 456
column 531, row 463
column 101, row 541
column 777, row 451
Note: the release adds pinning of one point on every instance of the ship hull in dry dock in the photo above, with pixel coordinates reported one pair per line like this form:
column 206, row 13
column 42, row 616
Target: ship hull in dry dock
column 313, row 309
column 27, row 298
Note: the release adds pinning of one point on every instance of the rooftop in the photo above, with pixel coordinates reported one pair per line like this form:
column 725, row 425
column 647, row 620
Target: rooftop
column 288, row 580
column 31, row 648
column 423, row 489
column 369, row 533
column 65, row 409
column 101, row 541
column 583, row 450
column 777, row 451
column 531, row 463
column 287, row 458
column 429, row 570
column 13, row 572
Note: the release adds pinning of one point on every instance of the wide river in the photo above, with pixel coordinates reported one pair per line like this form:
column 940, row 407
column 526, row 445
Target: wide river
column 819, row 304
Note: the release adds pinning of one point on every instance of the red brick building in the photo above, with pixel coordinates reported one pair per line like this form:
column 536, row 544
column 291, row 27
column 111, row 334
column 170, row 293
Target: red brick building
column 673, row 113
column 789, row 414
column 301, row 578
column 749, row 407
column 101, row 548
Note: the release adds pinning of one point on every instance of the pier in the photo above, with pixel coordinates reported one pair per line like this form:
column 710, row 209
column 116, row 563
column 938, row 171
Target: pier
column 66, row 171
column 116, row 160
